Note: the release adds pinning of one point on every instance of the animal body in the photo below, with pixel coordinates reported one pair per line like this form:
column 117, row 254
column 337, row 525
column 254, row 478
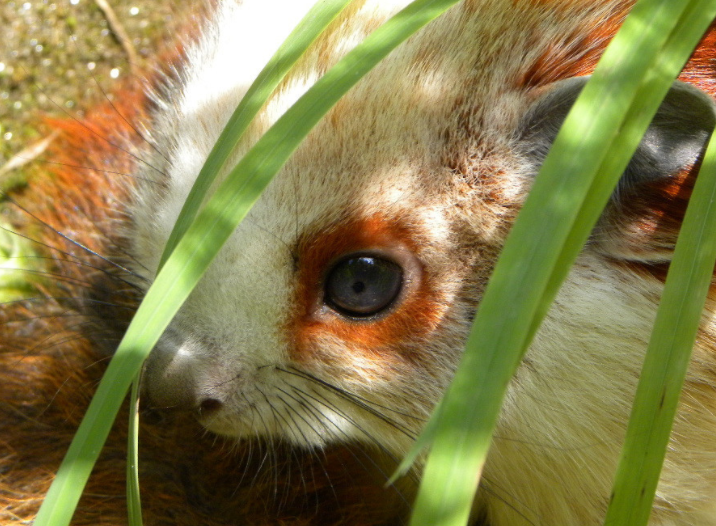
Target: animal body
column 323, row 335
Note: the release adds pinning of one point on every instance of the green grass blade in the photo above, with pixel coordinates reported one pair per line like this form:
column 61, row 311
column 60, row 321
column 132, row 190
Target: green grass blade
column 674, row 331
column 523, row 283
column 134, row 501
column 305, row 33
column 61, row 499
column 203, row 240
column 654, row 87
column 668, row 355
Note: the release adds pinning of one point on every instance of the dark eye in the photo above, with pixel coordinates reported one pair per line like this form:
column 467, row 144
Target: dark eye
column 362, row 286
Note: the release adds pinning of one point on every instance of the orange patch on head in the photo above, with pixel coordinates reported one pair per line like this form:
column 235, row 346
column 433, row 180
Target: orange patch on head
column 578, row 53
column 653, row 220
column 575, row 55
column 662, row 204
column 700, row 70
column 386, row 336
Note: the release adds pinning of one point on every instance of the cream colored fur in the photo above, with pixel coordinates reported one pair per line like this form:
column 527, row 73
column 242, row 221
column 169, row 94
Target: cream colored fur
column 446, row 98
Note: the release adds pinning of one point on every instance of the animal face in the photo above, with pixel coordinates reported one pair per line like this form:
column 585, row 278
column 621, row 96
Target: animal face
column 338, row 311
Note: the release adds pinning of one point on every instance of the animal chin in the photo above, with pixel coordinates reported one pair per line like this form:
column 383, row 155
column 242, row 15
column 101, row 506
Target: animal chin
column 270, row 417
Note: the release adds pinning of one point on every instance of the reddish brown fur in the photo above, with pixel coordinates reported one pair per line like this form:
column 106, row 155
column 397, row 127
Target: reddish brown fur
column 53, row 354
column 700, row 70
column 654, row 212
column 51, row 357
column 575, row 55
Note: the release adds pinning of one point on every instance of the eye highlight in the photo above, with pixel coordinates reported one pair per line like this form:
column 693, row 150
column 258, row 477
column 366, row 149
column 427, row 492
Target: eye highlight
column 362, row 285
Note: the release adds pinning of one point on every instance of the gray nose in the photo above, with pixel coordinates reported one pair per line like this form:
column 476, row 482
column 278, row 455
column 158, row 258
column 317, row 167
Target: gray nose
column 167, row 395
column 167, row 383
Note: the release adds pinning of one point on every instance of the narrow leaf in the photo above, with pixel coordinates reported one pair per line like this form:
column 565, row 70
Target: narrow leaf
column 676, row 324
column 202, row 242
column 668, row 355
column 526, row 277
column 134, row 501
column 305, row 33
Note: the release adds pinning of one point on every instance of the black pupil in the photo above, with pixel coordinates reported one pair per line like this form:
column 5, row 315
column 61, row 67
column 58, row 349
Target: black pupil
column 363, row 285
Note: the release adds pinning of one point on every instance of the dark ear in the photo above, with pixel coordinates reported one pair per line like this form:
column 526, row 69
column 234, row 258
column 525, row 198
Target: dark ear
column 643, row 217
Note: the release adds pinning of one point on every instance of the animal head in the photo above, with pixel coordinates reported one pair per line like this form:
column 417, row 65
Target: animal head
column 339, row 308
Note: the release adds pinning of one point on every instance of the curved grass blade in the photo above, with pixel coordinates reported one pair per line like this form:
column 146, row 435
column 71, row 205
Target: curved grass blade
column 295, row 45
column 525, row 280
column 134, row 501
column 202, row 242
column 305, row 33
column 668, row 355
column 670, row 62
column 675, row 328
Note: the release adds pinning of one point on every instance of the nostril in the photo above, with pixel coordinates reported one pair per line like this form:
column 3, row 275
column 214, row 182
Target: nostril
column 209, row 405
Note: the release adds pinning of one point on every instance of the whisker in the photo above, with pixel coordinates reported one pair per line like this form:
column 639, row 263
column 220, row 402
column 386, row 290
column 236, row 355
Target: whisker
column 302, row 374
column 291, row 411
column 306, row 403
column 366, row 405
column 247, row 461
column 49, row 317
column 305, row 399
column 86, row 285
column 92, row 131
column 66, row 238
column 54, row 275
column 323, row 467
column 52, row 341
column 139, row 134
column 257, row 413
column 264, row 461
column 278, row 414
column 73, row 300
column 98, row 170
column 323, row 418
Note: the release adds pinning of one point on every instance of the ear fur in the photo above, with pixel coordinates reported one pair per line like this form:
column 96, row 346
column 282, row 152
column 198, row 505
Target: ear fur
column 642, row 220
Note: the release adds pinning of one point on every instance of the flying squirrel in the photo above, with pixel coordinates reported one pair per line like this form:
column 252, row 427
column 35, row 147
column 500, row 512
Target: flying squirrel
column 312, row 352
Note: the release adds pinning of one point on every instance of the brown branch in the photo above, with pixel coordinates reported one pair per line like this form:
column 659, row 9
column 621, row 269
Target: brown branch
column 118, row 30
